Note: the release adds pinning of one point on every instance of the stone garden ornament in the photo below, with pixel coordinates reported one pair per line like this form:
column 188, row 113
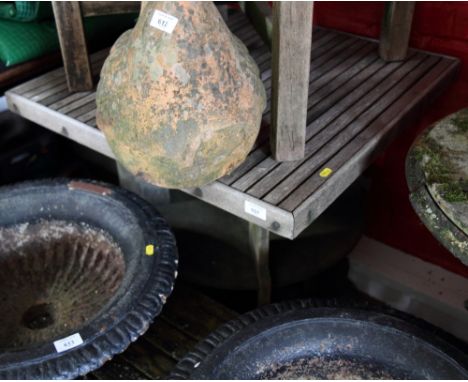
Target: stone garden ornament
column 437, row 175
column 180, row 100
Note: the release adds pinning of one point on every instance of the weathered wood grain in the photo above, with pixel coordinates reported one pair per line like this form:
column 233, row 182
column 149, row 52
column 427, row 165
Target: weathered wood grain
column 89, row 115
column 117, row 369
column 73, row 45
column 205, row 315
column 371, row 141
column 396, row 30
column 260, row 179
column 64, row 101
column 324, row 113
column 172, row 341
column 325, row 55
column 292, row 40
column 91, row 105
column 147, row 359
column 318, row 67
column 99, row 8
column 322, row 147
column 90, row 97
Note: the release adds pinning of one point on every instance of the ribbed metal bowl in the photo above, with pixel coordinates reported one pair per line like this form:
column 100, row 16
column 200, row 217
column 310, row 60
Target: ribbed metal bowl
column 308, row 339
column 54, row 277
column 78, row 282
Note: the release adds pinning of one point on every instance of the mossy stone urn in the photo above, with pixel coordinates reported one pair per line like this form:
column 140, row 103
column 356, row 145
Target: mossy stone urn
column 180, row 99
column 437, row 175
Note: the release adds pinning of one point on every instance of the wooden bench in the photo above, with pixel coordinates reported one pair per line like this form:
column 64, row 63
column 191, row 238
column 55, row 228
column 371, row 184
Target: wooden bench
column 357, row 102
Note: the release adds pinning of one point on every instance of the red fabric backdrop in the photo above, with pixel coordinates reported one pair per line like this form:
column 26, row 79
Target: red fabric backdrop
column 437, row 27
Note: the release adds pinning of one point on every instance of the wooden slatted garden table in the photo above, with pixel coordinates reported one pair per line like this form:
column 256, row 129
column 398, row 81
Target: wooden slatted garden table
column 357, row 103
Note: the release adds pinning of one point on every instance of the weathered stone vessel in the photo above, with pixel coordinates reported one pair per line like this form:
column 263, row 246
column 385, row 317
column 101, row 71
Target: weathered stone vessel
column 437, row 175
column 180, row 100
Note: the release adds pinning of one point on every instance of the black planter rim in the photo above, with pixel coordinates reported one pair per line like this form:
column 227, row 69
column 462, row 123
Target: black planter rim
column 137, row 308
column 187, row 367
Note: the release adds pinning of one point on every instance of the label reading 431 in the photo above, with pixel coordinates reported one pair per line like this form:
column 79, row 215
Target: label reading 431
column 163, row 21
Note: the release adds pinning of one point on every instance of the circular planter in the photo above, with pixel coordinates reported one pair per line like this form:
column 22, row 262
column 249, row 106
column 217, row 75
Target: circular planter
column 310, row 340
column 437, row 176
column 84, row 268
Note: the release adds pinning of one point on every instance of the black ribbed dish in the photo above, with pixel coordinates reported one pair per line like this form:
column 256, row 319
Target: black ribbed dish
column 77, row 257
column 310, row 339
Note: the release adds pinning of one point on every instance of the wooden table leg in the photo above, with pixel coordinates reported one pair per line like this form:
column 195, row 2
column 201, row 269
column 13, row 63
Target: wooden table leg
column 291, row 46
column 396, row 30
column 73, row 45
column 259, row 241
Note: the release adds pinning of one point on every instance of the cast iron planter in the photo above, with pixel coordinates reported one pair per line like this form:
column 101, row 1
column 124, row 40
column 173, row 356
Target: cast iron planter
column 80, row 261
column 310, row 340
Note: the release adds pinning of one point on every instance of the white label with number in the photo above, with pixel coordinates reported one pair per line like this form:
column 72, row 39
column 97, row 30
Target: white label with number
column 255, row 210
column 163, row 21
column 68, row 342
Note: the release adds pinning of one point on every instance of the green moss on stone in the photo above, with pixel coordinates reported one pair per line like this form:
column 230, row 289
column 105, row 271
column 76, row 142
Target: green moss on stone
column 461, row 122
column 439, row 171
column 436, row 169
column 453, row 192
